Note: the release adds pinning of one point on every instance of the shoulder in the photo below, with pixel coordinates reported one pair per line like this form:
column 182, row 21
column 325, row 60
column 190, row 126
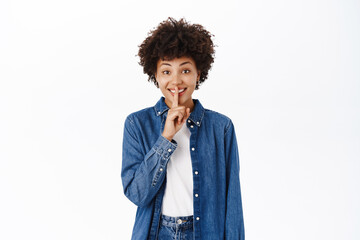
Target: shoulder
column 139, row 121
column 145, row 113
column 219, row 119
column 149, row 114
column 216, row 115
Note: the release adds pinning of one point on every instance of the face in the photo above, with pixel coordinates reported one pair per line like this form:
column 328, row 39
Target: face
column 180, row 72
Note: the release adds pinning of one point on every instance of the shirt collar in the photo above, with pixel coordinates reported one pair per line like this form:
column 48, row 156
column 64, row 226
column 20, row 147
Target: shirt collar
column 196, row 115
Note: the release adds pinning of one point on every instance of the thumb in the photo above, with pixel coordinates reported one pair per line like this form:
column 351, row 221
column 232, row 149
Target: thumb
column 187, row 113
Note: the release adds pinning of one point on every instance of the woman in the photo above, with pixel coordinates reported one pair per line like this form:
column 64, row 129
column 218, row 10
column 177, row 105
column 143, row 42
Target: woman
column 180, row 161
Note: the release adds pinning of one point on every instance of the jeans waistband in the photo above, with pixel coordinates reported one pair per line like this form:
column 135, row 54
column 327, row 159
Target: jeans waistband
column 180, row 222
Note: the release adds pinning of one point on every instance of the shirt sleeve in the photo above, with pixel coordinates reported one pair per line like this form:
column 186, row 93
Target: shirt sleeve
column 143, row 173
column 234, row 226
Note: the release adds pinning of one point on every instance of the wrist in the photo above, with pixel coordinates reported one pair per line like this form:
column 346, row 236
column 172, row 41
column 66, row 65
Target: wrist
column 167, row 137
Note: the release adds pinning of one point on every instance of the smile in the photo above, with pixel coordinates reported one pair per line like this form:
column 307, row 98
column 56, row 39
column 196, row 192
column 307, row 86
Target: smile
column 181, row 91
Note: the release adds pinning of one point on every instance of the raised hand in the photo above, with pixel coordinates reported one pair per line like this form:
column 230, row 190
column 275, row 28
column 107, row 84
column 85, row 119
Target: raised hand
column 176, row 117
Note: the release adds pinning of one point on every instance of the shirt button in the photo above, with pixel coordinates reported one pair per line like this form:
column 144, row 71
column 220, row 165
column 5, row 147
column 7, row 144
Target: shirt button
column 192, row 149
column 189, row 121
column 196, row 195
column 159, row 113
column 161, row 169
column 192, row 126
column 197, row 218
column 197, row 123
column 179, row 221
column 169, row 150
column 196, row 172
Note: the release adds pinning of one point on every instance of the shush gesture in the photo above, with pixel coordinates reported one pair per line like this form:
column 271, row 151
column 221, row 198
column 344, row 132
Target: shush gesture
column 176, row 117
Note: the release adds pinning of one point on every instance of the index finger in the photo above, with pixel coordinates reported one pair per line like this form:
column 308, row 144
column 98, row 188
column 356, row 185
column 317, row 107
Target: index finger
column 175, row 102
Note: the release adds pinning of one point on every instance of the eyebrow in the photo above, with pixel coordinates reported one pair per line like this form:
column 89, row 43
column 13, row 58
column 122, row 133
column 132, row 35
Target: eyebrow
column 185, row 63
column 168, row 64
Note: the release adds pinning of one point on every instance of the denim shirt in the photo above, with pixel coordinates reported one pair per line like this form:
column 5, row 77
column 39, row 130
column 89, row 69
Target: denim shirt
column 218, row 212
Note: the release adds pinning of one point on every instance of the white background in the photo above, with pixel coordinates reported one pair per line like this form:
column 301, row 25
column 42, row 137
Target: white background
column 286, row 72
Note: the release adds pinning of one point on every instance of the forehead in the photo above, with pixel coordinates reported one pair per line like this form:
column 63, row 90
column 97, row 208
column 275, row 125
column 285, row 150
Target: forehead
column 176, row 62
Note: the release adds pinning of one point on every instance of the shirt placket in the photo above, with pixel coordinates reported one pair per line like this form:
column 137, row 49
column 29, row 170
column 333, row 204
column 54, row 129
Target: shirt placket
column 196, row 176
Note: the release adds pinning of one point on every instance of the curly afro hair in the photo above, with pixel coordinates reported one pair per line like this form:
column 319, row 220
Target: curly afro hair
column 175, row 39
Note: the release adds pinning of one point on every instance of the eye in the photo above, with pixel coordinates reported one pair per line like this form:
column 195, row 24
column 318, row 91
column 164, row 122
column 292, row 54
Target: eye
column 166, row 72
column 186, row 71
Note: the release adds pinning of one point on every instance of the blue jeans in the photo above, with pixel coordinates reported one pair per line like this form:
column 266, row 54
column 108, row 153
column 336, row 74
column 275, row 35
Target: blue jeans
column 176, row 228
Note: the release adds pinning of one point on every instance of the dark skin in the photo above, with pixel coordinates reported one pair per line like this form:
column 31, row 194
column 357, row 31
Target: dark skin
column 177, row 79
column 177, row 116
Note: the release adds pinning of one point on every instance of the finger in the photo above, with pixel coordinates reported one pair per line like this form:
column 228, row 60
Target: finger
column 175, row 102
column 187, row 114
column 180, row 117
column 174, row 113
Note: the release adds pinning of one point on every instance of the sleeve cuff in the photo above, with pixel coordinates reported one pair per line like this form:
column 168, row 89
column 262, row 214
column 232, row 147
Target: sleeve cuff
column 164, row 147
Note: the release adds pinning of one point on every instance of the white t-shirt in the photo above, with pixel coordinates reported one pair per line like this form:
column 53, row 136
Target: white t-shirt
column 178, row 197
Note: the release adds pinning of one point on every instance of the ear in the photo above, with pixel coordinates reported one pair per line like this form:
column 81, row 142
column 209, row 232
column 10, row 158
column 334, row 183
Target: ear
column 198, row 76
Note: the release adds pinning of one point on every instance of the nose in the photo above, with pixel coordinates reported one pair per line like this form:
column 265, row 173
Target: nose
column 176, row 80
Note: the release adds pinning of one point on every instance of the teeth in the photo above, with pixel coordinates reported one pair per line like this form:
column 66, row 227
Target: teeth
column 180, row 91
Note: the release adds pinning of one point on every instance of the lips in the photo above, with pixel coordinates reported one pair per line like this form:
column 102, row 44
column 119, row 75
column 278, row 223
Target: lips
column 181, row 91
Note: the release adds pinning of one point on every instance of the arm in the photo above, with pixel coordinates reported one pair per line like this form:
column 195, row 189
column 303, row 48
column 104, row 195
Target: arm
column 234, row 226
column 143, row 173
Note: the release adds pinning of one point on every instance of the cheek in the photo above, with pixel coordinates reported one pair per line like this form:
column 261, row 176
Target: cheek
column 191, row 81
column 162, row 83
